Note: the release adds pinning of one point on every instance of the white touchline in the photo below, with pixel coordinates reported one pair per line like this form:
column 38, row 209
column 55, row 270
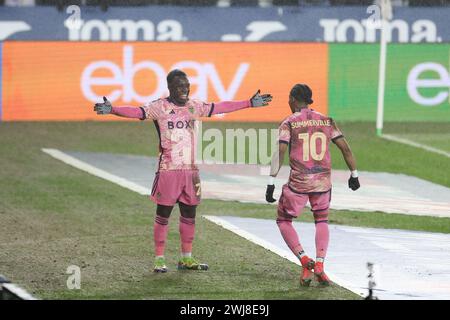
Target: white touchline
column 18, row 291
column 415, row 144
column 267, row 245
column 95, row 171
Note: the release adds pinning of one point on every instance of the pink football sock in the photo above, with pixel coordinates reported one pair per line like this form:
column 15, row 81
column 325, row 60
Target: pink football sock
column 290, row 236
column 322, row 238
column 187, row 231
column 160, row 229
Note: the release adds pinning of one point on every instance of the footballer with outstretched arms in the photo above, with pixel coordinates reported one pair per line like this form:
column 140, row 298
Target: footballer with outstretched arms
column 307, row 135
column 177, row 179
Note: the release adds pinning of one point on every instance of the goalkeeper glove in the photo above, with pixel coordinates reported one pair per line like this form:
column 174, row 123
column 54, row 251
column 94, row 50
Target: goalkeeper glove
column 103, row 108
column 259, row 100
column 269, row 193
column 353, row 182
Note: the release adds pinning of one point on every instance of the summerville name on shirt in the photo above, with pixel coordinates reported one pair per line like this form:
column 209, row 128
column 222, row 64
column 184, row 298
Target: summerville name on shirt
column 311, row 123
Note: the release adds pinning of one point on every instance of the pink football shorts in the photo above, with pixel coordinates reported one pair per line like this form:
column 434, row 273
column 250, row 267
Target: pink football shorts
column 172, row 186
column 292, row 203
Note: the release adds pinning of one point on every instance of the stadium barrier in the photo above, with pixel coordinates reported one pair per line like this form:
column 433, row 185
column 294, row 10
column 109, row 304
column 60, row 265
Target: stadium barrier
column 172, row 23
column 63, row 80
column 417, row 82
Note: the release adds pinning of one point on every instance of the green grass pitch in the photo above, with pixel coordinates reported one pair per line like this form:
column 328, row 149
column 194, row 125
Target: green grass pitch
column 53, row 216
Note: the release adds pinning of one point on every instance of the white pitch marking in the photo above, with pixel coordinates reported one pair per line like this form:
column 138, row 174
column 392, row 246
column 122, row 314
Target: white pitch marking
column 95, row 171
column 282, row 253
column 18, row 291
column 415, row 144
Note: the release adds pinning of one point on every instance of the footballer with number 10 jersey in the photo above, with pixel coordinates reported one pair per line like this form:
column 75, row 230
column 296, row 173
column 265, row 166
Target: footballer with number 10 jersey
column 307, row 135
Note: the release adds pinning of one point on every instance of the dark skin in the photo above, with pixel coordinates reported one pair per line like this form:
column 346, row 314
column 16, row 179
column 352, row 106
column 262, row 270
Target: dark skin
column 179, row 90
column 185, row 210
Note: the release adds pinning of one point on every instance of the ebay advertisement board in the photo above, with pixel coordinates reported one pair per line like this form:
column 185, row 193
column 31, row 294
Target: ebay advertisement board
column 417, row 82
column 63, row 80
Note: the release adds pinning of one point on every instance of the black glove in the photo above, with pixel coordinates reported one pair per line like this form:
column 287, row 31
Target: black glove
column 269, row 193
column 353, row 183
column 260, row 100
column 103, row 108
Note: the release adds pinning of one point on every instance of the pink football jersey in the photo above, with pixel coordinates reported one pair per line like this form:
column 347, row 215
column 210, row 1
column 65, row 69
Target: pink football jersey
column 177, row 132
column 308, row 134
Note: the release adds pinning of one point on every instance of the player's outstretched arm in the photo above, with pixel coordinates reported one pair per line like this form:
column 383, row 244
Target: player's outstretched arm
column 257, row 100
column 342, row 144
column 275, row 166
column 123, row 111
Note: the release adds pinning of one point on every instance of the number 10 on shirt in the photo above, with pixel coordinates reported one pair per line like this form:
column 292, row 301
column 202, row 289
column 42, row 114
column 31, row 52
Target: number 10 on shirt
column 310, row 143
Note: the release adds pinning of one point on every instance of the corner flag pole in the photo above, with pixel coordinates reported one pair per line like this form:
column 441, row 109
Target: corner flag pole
column 386, row 14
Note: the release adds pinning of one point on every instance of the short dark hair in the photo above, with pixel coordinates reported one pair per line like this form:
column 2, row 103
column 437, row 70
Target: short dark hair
column 301, row 92
column 175, row 73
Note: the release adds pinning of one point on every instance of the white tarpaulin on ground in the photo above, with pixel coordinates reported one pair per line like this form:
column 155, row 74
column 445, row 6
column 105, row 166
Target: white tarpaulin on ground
column 386, row 192
column 410, row 264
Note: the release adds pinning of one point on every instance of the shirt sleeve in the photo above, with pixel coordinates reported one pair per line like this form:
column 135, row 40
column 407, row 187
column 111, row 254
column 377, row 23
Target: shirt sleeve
column 229, row 106
column 151, row 110
column 284, row 132
column 335, row 132
column 203, row 109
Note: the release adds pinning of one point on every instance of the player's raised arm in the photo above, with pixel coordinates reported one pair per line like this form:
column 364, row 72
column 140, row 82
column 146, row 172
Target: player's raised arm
column 257, row 100
column 122, row 111
column 342, row 144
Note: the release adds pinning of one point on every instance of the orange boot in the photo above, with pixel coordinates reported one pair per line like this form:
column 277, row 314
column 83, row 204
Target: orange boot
column 307, row 273
column 320, row 275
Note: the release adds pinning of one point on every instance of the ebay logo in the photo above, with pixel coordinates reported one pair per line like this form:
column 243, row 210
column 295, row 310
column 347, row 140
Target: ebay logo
column 123, row 77
column 440, row 82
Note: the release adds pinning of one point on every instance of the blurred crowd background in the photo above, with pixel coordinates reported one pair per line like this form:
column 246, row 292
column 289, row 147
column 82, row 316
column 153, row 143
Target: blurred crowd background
column 124, row 48
column 219, row 3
